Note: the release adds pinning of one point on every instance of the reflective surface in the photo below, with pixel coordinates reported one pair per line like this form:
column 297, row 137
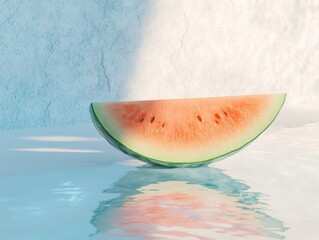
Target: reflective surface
column 270, row 190
column 201, row 203
column 127, row 202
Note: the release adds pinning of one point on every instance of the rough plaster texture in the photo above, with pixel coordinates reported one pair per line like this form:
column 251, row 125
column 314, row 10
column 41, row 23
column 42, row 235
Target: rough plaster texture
column 58, row 56
column 209, row 47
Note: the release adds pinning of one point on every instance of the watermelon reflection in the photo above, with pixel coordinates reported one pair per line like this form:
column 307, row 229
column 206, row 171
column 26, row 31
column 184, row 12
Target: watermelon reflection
column 201, row 203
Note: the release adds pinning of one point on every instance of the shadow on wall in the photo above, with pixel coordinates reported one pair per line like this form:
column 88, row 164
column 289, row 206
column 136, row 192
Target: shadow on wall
column 58, row 56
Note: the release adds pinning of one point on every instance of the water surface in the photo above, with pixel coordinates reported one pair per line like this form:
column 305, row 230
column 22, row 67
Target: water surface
column 201, row 203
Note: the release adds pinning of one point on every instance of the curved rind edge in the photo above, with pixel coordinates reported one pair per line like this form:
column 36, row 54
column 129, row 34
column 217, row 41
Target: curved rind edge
column 136, row 155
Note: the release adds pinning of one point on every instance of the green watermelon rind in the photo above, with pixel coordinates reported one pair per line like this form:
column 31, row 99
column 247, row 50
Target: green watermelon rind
column 141, row 157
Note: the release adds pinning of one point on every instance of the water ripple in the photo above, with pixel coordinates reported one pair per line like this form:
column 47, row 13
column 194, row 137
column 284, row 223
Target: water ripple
column 202, row 203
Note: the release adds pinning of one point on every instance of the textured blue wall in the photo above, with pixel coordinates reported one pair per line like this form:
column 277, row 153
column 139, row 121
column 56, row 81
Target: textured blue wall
column 57, row 56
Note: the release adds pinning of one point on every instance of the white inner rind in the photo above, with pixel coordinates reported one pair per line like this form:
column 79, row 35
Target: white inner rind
column 192, row 154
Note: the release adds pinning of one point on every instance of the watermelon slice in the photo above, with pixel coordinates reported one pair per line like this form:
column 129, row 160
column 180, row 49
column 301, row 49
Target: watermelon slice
column 185, row 132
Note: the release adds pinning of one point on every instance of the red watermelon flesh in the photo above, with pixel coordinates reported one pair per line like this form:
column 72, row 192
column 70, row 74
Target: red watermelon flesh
column 185, row 132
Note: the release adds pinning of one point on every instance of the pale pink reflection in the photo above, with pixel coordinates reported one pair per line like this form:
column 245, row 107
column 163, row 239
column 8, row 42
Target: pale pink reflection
column 178, row 210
